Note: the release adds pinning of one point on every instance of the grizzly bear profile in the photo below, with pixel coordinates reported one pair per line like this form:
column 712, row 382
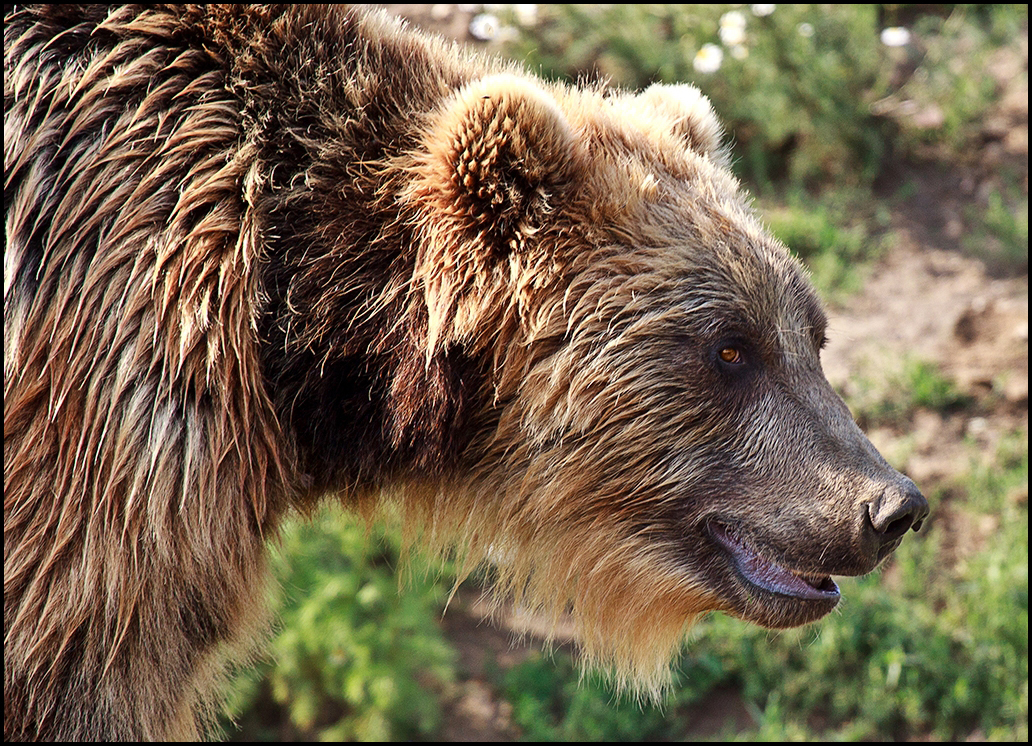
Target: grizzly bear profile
column 257, row 256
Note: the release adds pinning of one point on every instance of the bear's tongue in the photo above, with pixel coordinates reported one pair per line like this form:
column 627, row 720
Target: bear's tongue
column 772, row 577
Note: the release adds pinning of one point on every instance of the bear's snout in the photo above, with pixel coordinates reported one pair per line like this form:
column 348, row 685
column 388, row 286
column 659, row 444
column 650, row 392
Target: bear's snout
column 899, row 508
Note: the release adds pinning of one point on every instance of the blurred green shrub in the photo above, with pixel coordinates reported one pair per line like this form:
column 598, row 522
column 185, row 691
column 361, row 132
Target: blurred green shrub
column 552, row 701
column 890, row 398
column 999, row 229
column 831, row 235
column 356, row 655
column 942, row 91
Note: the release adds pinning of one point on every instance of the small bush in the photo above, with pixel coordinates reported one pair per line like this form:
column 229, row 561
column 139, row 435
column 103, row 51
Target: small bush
column 828, row 237
column 892, row 398
column 357, row 656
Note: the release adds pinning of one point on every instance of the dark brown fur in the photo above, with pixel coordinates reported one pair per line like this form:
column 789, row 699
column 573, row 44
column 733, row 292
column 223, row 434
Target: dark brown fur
column 258, row 255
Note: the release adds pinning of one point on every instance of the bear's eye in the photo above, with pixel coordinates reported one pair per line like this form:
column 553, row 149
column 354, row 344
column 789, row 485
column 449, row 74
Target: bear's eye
column 731, row 355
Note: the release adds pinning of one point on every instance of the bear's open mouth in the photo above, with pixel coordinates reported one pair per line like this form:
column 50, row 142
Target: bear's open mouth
column 768, row 575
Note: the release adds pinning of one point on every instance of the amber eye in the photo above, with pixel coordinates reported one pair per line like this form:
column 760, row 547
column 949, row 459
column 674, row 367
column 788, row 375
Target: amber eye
column 730, row 355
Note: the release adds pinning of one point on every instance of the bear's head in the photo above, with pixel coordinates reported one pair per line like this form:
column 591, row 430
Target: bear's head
column 661, row 440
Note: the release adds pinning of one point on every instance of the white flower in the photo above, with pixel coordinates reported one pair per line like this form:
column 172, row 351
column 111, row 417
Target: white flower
column 732, row 35
column 805, row 29
column 739, row 52
column 708, row 59
column 484, row 26
column 732, row 28
column 732, row 19
column 526, row 14
column 895, row 36
column 761, row 10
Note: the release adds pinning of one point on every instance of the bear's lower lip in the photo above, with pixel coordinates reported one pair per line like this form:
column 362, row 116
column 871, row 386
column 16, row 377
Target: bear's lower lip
column 769, row 576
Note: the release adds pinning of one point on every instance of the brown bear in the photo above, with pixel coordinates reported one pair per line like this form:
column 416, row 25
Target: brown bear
column 261, row 255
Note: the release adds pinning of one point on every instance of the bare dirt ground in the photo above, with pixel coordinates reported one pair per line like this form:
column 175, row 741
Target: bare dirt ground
column 925, row 300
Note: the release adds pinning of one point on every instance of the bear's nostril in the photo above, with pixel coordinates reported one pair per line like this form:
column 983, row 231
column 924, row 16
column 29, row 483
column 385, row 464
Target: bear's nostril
column 898, row 526
column 898, row 509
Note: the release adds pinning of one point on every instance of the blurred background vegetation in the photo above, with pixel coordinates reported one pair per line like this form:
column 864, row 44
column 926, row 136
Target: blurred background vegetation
column 840, row 118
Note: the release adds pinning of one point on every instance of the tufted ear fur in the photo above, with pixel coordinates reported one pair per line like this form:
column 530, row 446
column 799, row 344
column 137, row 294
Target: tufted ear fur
column 693, row 117
column 497, row 161
column 497, row 155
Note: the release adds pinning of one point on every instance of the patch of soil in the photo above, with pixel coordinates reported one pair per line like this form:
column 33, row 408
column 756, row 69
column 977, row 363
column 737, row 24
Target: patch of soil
column 485, row 642
column 929, row 304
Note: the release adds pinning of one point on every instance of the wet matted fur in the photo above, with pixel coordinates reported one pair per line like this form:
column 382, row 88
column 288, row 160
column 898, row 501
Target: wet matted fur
column 261, row 255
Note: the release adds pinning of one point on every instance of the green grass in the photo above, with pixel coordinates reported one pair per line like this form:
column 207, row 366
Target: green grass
column 355, row 656
column 889, row 398
column 833, row 237
column 999, row 233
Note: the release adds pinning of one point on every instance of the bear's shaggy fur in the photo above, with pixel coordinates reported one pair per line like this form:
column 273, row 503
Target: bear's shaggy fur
column 260, row 255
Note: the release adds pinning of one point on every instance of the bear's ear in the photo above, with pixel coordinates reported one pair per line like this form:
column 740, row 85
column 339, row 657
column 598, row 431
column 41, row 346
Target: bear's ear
column 498, row 157
column 692, row 116
column 497, row 161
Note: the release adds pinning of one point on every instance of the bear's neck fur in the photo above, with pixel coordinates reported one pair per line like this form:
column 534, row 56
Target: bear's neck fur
column 338, row 251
